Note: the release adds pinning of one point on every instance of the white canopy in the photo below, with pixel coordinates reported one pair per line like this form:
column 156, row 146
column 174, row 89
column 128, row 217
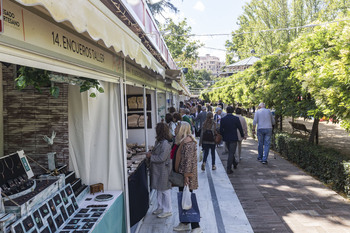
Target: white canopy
column 100, row 23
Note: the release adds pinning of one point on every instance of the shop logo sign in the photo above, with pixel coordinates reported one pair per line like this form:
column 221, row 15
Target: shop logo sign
column 1, row 18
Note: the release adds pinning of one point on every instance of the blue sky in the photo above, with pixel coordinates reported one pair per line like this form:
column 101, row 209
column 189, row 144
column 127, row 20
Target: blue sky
column 208, row 17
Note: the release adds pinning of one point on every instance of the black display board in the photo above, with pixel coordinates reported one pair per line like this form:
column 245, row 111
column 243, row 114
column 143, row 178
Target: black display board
column 138, row 194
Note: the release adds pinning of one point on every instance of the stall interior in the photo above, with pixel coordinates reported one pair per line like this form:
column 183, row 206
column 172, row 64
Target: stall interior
column 35, row 169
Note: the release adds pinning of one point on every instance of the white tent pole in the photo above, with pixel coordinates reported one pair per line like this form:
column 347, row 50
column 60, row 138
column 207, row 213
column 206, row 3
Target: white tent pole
column 156, row 101
column 126, row 184
column 145, row 116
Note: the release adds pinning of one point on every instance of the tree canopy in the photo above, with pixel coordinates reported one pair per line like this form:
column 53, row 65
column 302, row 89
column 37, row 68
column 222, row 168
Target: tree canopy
column 306, row 70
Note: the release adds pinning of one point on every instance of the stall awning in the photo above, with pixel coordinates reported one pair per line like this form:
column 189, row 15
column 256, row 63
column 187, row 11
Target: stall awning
column 173, row 74
column 93, row 17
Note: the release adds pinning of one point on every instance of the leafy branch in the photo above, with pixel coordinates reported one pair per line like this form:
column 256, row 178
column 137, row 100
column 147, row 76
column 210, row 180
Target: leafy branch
column 37, row 78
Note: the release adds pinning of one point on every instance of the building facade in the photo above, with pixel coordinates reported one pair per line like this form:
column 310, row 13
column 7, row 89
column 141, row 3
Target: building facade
column 209, row 63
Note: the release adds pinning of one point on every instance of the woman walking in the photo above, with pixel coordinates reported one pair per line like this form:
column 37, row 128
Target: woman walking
column 207, row 140
column 186, row 164
column 161, row 166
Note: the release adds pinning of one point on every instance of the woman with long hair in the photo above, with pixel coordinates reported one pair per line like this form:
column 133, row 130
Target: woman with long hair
column 186, row 164
column 207, row 140
column 160, row 169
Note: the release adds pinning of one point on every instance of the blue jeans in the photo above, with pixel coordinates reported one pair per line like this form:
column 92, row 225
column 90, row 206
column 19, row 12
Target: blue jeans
column 206, row 148
column 231, row 147
column 264, row 140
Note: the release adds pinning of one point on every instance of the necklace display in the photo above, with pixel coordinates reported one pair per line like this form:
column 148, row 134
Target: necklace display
column 12, row 165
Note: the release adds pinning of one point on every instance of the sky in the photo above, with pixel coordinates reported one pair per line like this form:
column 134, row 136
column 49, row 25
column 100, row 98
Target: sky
column 208, row 17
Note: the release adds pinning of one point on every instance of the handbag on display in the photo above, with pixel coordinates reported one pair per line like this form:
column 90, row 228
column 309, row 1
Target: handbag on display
column 191, row 215
column 177, row 179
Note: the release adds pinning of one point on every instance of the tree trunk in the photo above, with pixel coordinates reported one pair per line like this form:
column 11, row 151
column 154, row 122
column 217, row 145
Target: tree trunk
column 281, row 122
column 276, row 121
column 314, row 131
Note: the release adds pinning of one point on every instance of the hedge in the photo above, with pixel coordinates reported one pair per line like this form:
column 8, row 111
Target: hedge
column 328, row 165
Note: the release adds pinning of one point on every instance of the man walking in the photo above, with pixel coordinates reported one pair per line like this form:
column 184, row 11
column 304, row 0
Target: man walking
column 264, row 119
column 228, row 129
column 201, row 118
column 245, row 131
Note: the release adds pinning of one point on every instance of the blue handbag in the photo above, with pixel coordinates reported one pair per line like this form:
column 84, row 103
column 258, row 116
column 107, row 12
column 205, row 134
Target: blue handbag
column 191, row 215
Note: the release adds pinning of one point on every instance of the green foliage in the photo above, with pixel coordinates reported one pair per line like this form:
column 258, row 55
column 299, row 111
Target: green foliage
column 261, row 15
column 184, row 50
column 29, row 76
column 326, row 164
column 250, row 127
column 37, row 78
column 325, row 73
column 198, row 78
column 91, row 83
column 157, row 9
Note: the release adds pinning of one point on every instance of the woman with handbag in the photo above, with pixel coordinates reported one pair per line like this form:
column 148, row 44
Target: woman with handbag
column 186, row 164
column 161, row 166
column 207, row 140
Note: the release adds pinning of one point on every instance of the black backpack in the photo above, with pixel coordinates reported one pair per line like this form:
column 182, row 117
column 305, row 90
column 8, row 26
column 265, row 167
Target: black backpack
column 208, row 136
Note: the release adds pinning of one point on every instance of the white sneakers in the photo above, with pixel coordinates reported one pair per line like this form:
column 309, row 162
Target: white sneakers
column 164, row 215
column 182, row 227
column 187, row 227
column 157, row 211
column 197, row 230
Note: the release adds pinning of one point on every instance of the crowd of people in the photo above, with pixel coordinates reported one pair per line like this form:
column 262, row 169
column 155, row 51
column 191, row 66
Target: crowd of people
column 195, row 123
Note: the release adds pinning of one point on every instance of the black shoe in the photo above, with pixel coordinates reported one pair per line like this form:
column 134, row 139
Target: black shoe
column 264, row 162
column 235, row 166
column 260, row 160
column 229, row 171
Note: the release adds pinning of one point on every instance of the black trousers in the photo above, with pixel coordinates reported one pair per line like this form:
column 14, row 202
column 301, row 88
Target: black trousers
column 194, row 225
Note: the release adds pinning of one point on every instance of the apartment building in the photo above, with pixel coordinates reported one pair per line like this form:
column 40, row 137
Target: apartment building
column 209, row 63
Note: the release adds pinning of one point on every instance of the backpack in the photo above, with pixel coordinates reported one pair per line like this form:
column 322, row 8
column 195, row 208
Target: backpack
column 208, row 136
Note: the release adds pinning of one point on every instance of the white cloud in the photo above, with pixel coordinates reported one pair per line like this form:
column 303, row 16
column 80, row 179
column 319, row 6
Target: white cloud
column 199, row 6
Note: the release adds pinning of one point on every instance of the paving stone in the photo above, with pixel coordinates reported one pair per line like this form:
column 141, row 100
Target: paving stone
column 280, row 197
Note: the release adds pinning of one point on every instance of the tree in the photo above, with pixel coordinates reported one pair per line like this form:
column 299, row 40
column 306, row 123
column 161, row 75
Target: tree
column 183, row 49
column 260, row 15
column 324, row 72
column 159, row 8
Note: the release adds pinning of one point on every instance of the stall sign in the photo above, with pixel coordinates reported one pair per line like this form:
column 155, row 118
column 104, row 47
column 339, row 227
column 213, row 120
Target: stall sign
column 1, row 18
column 32, row 31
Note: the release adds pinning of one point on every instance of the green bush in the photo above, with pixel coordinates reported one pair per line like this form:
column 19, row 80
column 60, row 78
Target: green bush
column 250, row 126
column 328, row 165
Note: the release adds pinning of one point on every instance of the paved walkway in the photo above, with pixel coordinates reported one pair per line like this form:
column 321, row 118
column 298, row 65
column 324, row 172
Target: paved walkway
column 221, row 211
column 280, row 197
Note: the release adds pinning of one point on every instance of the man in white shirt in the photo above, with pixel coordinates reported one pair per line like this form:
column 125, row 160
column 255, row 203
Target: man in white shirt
column 264, row 119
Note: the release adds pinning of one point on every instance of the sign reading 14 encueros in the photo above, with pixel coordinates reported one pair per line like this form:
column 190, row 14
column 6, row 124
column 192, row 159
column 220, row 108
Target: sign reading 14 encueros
column 74, row 46
column 1, row 18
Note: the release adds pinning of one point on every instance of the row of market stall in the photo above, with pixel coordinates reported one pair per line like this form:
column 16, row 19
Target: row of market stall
column 99, row 131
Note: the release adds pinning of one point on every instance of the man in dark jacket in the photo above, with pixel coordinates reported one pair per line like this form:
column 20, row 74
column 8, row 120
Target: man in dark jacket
column 228, row 129
column 201, row 117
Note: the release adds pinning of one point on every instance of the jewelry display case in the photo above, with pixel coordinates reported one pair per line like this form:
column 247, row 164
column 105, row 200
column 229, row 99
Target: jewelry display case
column 19, row 190
column 62, row 213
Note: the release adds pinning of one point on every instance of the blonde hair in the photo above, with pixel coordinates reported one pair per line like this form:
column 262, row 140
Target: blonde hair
column 184, row 130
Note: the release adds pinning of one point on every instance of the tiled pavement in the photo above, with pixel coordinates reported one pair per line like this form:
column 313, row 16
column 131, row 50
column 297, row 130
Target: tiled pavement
column 280, row 197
